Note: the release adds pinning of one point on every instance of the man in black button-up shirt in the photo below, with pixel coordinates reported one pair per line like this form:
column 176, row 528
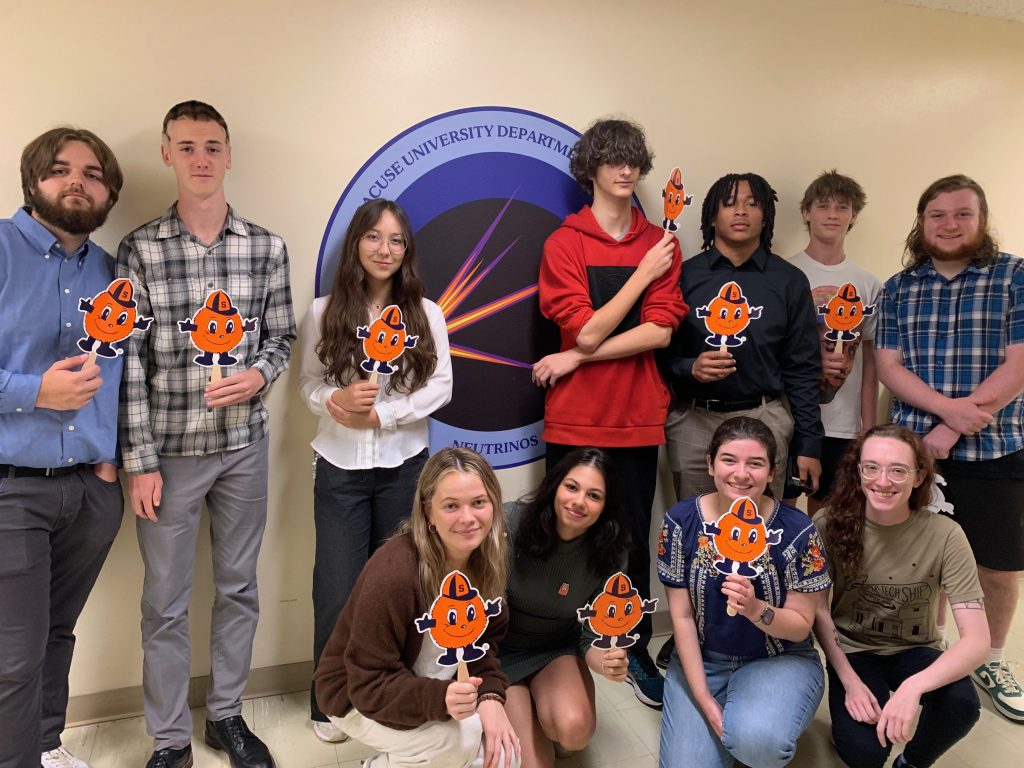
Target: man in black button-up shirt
column 750, row 340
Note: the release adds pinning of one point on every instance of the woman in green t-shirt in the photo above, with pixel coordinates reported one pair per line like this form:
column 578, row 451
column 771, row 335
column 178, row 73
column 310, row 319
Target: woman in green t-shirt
column 891, row 558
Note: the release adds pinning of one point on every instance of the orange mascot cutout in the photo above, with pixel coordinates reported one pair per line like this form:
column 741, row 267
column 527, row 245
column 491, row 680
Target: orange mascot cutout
column 615, row 612
column 843, row 313
column 727, row 315
column 110, row 318
column 384, row 341
column 217, row 329
column 675, row 200
column 457, row 619
column 741, row 537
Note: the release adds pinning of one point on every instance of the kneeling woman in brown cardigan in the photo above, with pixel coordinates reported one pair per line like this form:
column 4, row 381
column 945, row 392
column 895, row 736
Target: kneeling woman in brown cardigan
column 378, row 678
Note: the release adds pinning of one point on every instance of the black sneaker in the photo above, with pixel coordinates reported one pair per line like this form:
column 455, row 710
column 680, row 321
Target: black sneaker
column 647, row 682
column 244, row 748
column 665, row 654
column 171, row 758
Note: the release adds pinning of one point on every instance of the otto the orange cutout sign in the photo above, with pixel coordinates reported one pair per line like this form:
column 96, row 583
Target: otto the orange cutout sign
column 217, row 329
column 616, row 612
column 727, row 315
column 741, row 537
column 384, row 341
column 457, row 619
column 675, row 199
column 843, row 313
column 110, row 318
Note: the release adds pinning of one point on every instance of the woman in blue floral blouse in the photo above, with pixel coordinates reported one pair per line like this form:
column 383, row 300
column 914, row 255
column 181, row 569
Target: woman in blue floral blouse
column 741, row 571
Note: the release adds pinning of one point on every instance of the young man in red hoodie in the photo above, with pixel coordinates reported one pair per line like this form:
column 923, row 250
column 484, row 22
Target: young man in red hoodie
column 610, row 280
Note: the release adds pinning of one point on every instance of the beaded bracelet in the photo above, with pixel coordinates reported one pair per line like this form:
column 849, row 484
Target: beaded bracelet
column 490, row 697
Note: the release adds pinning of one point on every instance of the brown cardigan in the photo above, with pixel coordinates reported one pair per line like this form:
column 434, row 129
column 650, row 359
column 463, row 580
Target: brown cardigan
column 371, row 668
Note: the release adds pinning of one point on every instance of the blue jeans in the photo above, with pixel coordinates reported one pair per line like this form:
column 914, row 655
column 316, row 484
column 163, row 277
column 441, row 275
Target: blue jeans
column 766, row 704
column 355, row 512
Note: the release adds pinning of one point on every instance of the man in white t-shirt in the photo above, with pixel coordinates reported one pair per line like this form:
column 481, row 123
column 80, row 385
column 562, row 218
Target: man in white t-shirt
column 844, row 297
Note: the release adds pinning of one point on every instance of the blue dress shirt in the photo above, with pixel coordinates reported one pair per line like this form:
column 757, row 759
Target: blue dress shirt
column 40, row 286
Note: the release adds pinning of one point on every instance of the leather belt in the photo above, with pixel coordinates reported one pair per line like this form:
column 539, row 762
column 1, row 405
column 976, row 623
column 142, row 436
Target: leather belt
column 726, row 406
column 10, row 471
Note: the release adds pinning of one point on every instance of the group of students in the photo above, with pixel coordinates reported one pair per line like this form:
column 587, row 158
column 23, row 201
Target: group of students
column 744, row 679
column 741, row 414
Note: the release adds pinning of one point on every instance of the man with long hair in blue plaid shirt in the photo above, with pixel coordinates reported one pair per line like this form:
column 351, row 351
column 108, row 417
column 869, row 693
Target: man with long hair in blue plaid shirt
column 951, row 348
column 190, row 437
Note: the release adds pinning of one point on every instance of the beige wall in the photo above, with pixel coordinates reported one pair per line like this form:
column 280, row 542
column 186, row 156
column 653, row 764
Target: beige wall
column 896, row 96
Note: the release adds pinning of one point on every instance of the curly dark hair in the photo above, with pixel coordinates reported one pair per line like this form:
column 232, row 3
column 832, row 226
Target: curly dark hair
column 845, row 513
column 339, row 350
column 607, row 540
column 609, row 142
column 723, row 191
column 915, row 251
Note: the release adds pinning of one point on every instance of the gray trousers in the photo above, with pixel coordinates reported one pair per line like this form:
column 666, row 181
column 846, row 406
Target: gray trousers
column 688, row 431
column 234, row 486
column 55, row 533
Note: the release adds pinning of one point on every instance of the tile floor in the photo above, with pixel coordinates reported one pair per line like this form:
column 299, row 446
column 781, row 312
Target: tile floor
column 627, row 734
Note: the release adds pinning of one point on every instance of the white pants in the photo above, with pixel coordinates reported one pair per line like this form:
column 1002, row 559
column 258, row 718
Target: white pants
column 442, row 744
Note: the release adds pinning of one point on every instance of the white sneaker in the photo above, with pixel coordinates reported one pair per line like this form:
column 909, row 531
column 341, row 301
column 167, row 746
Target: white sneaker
column 61, row 758
column 329, row 732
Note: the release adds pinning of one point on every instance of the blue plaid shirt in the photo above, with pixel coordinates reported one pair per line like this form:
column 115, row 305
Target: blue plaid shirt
column 952, row 334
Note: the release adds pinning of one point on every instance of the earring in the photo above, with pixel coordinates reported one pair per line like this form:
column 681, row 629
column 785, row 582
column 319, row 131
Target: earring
column 431, row 527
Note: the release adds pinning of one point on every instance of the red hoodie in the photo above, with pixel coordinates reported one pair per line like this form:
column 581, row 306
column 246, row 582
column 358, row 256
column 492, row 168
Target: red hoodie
column 614, row 403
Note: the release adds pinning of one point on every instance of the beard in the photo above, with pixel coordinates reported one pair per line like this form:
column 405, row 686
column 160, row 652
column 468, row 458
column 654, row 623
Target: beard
column 74, row 221
column 969, row 251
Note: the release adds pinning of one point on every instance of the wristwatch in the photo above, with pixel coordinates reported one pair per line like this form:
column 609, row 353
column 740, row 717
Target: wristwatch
column 767, row 615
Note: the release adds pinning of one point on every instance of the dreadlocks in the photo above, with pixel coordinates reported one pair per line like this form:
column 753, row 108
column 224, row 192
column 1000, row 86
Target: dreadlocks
column 723, row 191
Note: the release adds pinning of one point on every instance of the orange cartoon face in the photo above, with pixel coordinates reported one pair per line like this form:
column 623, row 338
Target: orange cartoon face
column 741, row 541
column 110, row 321
column 459, row 622
column 457, row 619
column 845, row 310
column 217, row 331
column 741, row 536
column 674, row 195
column 218, row 327
column 615, row 615
column 386, row 339
column 728, row 313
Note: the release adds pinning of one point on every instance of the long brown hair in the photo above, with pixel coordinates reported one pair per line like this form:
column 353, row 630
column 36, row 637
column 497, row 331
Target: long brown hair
column 38, row 156
column 915, row 252
column 339, row 350
column 487, row 568
column 845, row 514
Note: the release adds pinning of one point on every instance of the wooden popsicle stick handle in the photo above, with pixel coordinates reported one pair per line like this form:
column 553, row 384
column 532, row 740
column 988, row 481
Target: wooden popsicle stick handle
column 215, row 373
column 91, row 360
column 839, row 346
column 373, row 380
column 462, row 675
column 730, row 610
column 724, row 347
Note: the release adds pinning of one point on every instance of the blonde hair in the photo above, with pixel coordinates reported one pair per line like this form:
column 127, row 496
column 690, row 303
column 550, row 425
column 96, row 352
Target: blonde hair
column 487, row 568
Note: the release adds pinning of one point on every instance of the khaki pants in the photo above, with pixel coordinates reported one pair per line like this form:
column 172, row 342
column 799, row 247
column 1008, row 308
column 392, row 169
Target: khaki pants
column 443, row 744
column 688, row 431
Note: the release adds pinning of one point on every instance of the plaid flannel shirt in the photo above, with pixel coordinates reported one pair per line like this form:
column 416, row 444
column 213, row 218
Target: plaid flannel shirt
column 952, row 335
column 163, row 411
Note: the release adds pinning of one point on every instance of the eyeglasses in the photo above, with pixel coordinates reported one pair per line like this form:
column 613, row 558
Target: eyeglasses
column 897, row 473
column 396, row 243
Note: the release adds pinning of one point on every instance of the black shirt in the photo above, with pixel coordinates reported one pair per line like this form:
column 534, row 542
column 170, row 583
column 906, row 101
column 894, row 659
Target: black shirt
column 779, row 353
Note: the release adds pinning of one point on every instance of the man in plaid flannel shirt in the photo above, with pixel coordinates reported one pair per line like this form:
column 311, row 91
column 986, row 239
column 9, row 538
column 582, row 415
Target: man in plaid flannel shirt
column 951, row 348
column 188, row 438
